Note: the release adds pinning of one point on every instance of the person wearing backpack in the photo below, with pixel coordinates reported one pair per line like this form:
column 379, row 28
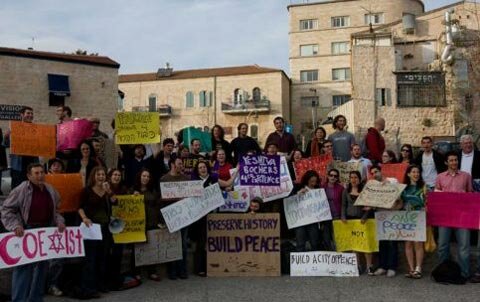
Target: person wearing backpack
column 374, row 141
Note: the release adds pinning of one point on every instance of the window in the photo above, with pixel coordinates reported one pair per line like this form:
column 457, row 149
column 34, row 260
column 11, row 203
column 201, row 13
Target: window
column 383, row 97
column 120, row 103
column 340, row 47
column 238, row 96
column 308, row 24
column 341, row 74
column 374, row 19
column 152, row 103
column 210, row 98
column 308, row 50
column 256, row 94
column 190, row 102
column 202, row 96
column 253, row 128
column 308, row 76
column 421, row 89
column 56, row 100
column 339, row 100
column 343, row 21
column 309, row 101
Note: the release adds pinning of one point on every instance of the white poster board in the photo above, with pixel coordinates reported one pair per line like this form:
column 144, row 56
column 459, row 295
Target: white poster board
column 401, row 225
column 327, row 264
column 161, row 246
column 181, row 189
column 307, row 208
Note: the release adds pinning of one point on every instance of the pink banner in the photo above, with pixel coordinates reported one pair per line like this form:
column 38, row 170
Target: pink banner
column 71, row 134
column 40, row 244
column 456, row 210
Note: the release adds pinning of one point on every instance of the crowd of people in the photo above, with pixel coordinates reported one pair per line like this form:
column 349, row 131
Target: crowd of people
column 140, row 169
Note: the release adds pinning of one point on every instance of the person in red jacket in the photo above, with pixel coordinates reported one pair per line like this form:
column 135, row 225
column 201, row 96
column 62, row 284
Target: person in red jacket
column 374, row 141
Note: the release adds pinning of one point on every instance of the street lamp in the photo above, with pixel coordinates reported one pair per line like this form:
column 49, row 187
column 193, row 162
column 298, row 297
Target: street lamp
column 314, row 107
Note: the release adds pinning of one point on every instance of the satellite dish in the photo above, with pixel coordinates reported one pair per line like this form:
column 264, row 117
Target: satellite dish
column 116, row 225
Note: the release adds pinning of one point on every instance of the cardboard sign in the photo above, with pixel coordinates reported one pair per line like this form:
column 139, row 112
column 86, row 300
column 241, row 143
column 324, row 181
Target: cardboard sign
column 260, row 170
column 355, row 236
column 161, row 246
column 130, row 209
column 323, row 264
column 307, row 208
column 32, row 139
column 186, row 211
column 345, row 168
column 70, row 187
column 72, row 133
column 236, row 201
column 456, row 210
column 401, row 225
column 243, row 245
column 396, row 171
column 10, row 112
column 39, row 245
column 379, row 195
column 318, row 164
column 137, row 127
column 181, row 189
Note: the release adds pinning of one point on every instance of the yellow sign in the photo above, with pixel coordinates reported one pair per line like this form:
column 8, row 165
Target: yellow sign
column 355, row 236
column 130, row 209
column 137, row 128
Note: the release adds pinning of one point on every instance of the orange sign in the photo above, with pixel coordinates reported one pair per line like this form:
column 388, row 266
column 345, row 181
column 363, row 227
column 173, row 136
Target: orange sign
column 70, row 187
column 33, row 139
column 316, row 163
column 396, row 171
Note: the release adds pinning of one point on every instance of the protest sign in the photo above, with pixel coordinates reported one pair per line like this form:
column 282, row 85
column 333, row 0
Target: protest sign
column 401, row 225
column 318, row 164
column 181, row 189
column 307, row 208
column 345, row 168
column 137, row 128
column 379, row 195
column 70, row 187
column 188, row 210
column 236, row 201
column 260, row 170
column 323, row 264
column 456, row 210
column 204, row 136
column 10, row 112
column 352, row 235
column 93, row 232
column 39, row 245
column 32, row 139
column 72, row 133
column 396, row 171
column 243, row 245
column 130, row 209
column 161, row 246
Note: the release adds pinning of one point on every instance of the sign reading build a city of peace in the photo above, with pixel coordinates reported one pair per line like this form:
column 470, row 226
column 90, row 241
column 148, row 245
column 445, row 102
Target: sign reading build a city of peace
column 240, row 245
column 137, row 128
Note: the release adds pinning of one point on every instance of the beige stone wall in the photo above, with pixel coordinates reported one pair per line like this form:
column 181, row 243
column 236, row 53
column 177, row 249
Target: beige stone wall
column 94, row 89
column 274, row 86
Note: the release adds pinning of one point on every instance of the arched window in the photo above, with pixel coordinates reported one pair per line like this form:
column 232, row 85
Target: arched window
column 237, row 96
column 152, row 103
column 189, row 101
column 203, row 98
column 257, row 94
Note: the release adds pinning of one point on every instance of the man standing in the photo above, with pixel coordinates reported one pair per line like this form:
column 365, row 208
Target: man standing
column 64, row 114
column 193, row 157
column 243, row 144
column 431, row 161
column 356, row 152
column 454, row 180
column 135, row 164
column 341, row 139
column 160, row 160
column 284, row 140
column 32, row 204
column 374, row 142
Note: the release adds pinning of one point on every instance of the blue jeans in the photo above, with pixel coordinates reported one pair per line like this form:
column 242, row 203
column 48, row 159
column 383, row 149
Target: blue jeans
column 388, row 254
column 28, row 282
column 309, row 232
column 463, row 247
column 179, row 267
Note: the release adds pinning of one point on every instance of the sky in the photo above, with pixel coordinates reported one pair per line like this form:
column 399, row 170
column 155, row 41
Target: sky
column 143, row 35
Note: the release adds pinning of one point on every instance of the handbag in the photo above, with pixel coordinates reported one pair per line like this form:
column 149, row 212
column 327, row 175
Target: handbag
column 430, row 244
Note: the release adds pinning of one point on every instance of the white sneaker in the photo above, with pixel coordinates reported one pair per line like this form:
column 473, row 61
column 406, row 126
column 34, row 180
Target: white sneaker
column 379, row 272
column 55, row 291
column 391, row 273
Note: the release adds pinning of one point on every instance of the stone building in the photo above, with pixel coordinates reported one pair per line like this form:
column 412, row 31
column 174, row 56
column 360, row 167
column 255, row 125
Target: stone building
column 420, row 74
column 320, row 61
column 205, row 97
column 43, row 80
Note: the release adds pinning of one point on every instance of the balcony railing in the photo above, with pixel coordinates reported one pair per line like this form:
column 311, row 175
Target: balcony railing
column 164, row 110
column 246, row 107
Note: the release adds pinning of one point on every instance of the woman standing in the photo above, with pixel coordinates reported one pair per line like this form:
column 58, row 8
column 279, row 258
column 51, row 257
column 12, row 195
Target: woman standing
column 221, row 168
column 219, row 142
column 95, row 208
column 406, row 154
column 296, row 156
column 389, row 157
column 314, row 146
column 333, row 190
column 350, row 211
column 84, row 164
column 414, row 200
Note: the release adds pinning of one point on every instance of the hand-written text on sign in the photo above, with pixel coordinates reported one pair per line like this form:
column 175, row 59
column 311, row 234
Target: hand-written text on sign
column 236, row 201
column 355, row 236
column 318, row 164
column 131, row 210
column 181, row 189
column 401, row 225
column 161, row 246
column 260, row 170
column 328, row 264
column 33, row 139
column 137, row 127
column 380, row 195
column 307, row 208
column 345, row 168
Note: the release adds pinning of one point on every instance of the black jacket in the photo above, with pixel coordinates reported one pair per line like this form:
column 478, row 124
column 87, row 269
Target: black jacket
column 475, row 166
column 437, row 158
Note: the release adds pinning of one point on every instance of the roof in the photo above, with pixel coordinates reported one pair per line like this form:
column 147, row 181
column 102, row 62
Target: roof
column 333, row 1
column 61, row 57
column 199, row 73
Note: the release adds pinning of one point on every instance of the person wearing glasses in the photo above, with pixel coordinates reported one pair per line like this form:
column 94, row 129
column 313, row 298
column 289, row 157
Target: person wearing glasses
column 327, row 147
column 333, row 190
column 406, row 154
